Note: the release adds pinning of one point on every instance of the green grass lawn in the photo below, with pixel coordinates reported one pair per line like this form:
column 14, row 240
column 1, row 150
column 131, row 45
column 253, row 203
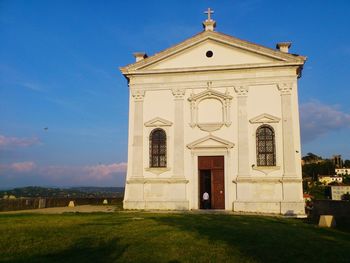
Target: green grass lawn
column 149, row 237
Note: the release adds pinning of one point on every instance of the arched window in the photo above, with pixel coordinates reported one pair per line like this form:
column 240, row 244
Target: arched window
column 265, row 146
column 157, row 145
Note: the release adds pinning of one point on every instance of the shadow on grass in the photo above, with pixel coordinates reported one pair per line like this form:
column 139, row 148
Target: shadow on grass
column 266, row 239
column 84, row 250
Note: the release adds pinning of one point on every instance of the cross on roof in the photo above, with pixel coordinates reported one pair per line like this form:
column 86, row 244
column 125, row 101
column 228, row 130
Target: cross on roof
column 209, row 12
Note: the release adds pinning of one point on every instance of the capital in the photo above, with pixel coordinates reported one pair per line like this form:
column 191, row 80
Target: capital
column 178, row 92
column 138, row 95
column 285, row 88
column 242, row 91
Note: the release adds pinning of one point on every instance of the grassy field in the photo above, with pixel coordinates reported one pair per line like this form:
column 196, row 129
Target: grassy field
column 148, row 237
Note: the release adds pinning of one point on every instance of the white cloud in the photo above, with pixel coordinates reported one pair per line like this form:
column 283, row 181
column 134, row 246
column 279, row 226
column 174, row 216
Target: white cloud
column 317, row 119
column 18, row 167
column 23, row 166
column 105, row 170
column 103, row 174
column 89, row 174
column 17, row 142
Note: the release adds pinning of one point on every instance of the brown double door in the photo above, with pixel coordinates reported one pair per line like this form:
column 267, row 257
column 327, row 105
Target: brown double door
column 211, row 180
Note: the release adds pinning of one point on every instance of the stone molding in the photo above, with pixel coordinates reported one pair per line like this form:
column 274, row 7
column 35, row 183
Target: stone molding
column 264, row 118
column 158, row 122
column 255, row 179
column 209, row 93
column 210, row 127
column 157, row 181
column 266, row 169
column 219, row 83
column 220, row 143
column 249, row 179
column 215, row 68
column 157, row 170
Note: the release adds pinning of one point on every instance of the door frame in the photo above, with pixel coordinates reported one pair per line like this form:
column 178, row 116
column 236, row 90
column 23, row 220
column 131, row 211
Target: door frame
column 195, row 176
column 214, row 194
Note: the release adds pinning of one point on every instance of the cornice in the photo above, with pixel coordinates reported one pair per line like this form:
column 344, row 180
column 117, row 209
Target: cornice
column 212, row 68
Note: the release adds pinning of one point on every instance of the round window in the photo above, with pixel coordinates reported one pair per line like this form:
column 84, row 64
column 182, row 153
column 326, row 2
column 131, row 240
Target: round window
column 209, row 54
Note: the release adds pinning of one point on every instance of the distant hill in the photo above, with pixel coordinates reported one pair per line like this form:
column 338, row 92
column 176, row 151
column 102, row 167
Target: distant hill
column 36, row 191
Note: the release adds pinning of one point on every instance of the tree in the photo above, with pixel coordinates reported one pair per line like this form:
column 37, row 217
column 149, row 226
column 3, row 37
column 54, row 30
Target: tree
column 346, row 196
column 311, row 158
column 314, row 169
column 319, row 192
column 346, row 179
column 347, row 163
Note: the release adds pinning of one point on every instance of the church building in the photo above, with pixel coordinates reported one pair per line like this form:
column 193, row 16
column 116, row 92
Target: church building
column 218, row 115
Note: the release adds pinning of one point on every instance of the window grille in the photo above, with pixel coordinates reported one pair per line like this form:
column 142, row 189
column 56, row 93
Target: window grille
column 265, row 146
column 157, row 147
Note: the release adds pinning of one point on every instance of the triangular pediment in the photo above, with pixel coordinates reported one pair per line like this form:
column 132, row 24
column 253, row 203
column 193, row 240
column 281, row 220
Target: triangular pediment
column 210, row 141
column 158, row 122
column 227, row 52
column 222, row 55
column 265, row 118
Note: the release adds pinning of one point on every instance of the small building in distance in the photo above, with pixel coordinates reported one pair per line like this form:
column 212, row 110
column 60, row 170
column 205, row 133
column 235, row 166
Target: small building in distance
column 338, row 191
column 327, row 179
column 342, row 171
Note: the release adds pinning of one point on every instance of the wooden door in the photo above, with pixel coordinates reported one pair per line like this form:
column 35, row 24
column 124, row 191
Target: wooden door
column 215, row 166
column 218, row 189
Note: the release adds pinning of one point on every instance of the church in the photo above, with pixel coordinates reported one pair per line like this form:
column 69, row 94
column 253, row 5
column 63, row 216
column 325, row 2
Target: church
column 218, row 115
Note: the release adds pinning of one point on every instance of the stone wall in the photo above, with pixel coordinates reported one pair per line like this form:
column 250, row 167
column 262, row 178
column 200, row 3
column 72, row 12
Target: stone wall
column 331, row 207
column 35, row 203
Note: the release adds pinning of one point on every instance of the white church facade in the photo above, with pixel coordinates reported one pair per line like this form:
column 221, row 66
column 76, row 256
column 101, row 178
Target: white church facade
column 215, row 114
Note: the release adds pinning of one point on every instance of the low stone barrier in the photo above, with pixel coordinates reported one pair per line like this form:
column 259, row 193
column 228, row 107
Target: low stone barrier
column 36, row 203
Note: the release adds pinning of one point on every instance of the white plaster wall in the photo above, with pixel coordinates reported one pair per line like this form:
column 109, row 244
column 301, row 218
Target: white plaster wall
column 263, row 97
column 158, row 104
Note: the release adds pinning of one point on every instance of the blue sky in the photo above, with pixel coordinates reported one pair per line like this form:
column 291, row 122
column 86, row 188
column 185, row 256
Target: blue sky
column 59, row 70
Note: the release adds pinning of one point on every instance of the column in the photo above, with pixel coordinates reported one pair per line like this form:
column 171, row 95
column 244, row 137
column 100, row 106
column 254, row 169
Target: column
column 137, row 142
column 243, row 140
column 179, row 144
column 287, row 129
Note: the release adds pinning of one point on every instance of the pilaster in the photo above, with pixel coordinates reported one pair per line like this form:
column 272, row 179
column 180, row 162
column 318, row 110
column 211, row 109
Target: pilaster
column 179, row 144
column 287, row 129
column 243, row 147
column 137, row 143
